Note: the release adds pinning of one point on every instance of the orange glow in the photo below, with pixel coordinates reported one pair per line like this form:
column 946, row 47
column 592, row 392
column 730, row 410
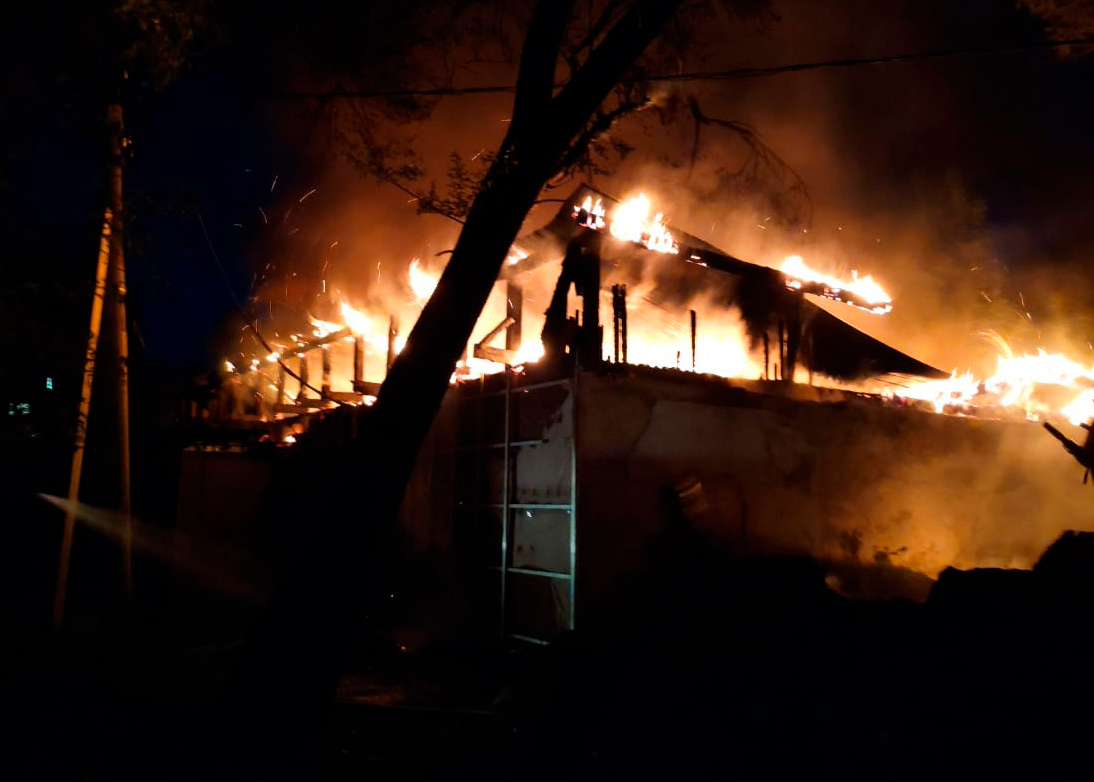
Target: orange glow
column 1014, row 386
column 421, row 282
column 631, row 222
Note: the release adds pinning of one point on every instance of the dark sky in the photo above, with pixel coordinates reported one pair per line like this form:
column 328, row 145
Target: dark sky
column 901, row 162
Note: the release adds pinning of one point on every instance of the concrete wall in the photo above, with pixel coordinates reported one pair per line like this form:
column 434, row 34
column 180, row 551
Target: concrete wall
column 852, row 481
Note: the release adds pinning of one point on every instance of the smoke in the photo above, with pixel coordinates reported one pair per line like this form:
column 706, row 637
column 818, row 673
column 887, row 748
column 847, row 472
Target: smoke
column 901, row 163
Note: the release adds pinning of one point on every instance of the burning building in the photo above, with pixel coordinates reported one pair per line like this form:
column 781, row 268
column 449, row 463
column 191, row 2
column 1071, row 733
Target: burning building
column 720, row 396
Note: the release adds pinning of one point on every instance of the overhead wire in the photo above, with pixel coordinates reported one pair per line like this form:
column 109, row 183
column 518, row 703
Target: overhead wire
column 253, row 324
column 694, row 76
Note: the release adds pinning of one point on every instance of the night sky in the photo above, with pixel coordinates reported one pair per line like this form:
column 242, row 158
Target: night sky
column 917, row 172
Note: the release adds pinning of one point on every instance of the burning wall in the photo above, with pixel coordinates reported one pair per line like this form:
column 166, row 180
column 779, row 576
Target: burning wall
column 853, row 483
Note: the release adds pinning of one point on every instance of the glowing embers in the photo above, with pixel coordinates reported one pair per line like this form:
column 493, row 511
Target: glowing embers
column 862, row 292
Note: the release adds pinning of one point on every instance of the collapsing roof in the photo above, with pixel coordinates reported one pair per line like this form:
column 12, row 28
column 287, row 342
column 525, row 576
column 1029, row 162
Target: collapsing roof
column 768, row 300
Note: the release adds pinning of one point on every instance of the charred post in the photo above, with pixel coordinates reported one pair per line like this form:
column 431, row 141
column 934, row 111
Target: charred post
column 302, row 394
column 779, row 373
column 358, row 362
column 325, row 388
column 615, row 323
column 392, row 333
column 693, row 340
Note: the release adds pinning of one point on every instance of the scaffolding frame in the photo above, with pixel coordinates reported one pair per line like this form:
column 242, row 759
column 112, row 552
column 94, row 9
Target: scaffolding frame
column 510, row 447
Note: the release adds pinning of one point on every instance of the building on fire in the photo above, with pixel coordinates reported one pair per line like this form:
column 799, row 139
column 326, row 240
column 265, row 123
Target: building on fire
column 545, row 484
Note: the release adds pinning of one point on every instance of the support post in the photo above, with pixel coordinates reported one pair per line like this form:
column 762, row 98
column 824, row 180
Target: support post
column 118, row 291
column 693, row 340
column 623, row 317
column 81, row 421
column 392, row 333
column 280, row 385
column 302, row 394
column 782, row 352
column 615, row 323
column 358, row 361
column 767, row 357
column 325, row 388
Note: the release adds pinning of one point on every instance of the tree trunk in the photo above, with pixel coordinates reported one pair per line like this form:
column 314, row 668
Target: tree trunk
column 291, row 665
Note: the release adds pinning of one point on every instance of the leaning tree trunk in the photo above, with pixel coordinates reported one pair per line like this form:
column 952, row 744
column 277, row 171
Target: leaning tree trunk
column 293, row 661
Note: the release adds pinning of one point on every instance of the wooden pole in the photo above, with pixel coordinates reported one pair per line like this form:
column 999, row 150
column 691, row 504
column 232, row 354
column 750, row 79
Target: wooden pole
column 693, row 340
column 118, row 291
column 392, row 333
column 358, row 362
column 325, row 387
column 514, row 309
column 303, row 392
column 81, row 420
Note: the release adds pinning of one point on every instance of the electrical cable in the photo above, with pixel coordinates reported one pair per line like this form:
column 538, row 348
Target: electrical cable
column 253, row 325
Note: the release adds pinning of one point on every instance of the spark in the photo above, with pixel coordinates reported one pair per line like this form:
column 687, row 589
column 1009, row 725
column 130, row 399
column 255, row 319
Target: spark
column 274, row 184
column 264, row 218
column 305, row 196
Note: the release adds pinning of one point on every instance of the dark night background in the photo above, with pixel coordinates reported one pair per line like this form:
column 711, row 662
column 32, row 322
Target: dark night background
column 946, row 178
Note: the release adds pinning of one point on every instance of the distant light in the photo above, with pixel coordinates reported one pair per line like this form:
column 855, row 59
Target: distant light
column 49, row 384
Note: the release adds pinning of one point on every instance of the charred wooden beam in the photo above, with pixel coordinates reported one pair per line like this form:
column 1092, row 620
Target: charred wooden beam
column 358, row 361
column 1083, row 454
column 693, row 340
column 302, row 393
column 364, row 387
column 619, row 322
column 495, row 331
column 325, row 387
column 500, row 355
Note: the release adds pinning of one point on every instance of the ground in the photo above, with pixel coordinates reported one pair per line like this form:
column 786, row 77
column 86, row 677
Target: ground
column 749, row 670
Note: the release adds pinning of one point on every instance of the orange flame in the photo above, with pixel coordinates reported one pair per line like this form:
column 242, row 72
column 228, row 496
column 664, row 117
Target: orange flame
column 864, row 288
column 631, row 222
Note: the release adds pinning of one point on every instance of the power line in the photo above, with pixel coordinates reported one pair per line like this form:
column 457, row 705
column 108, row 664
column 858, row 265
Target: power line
column 694, row 76
column 253, row 324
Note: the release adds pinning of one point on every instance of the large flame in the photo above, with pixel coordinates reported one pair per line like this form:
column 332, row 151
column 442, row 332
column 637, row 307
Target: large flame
column 1015, row 384
column 631, row 222
column 421, row 282
column 1035, row 385
column 865, row 288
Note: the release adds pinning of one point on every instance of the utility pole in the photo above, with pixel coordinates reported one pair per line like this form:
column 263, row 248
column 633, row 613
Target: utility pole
column 109, row 274
column 81, row 420
column 117, row 283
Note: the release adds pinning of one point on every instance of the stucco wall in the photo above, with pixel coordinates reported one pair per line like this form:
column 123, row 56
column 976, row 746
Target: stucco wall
column 850, row 480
